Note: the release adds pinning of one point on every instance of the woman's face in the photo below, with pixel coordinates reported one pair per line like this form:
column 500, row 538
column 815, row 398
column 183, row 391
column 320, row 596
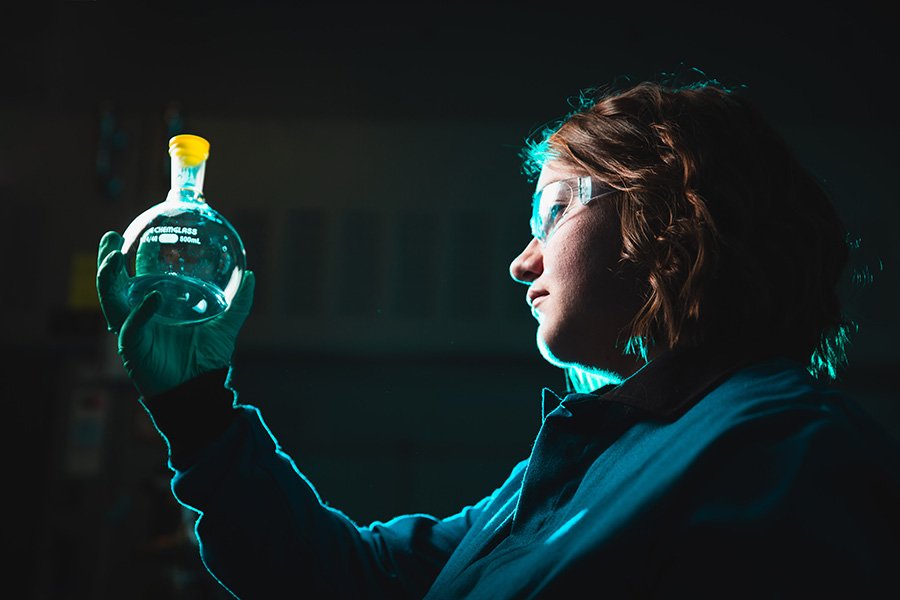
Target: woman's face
column 581, row 301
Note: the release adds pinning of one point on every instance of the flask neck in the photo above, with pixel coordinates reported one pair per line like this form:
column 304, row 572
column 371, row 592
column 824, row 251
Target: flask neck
column 187, row 180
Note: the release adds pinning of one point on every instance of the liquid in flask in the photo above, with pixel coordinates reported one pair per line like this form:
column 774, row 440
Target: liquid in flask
column 182, row 247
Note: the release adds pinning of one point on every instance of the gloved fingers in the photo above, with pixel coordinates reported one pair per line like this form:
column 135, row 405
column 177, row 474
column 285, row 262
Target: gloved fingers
column 110, row 242
column 132, row 336
column 243, row 300
column 112, row 288
column 235, row 315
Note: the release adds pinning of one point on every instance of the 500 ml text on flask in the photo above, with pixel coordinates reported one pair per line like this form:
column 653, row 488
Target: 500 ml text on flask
column 170, row 234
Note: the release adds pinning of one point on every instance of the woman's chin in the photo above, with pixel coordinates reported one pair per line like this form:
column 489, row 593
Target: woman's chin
column 614, row 365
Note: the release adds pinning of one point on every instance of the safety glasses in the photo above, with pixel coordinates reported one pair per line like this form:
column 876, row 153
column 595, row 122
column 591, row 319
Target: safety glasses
column 551, row 203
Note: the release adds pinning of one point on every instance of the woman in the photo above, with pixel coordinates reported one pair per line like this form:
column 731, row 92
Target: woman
column 683, row 268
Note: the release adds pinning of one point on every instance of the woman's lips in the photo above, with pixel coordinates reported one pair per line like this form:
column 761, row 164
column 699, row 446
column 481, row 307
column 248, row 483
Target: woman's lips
column 533, row 301
column 533, row 296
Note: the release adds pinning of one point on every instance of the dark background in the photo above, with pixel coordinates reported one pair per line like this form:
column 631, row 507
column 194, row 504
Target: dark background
column 368, row 154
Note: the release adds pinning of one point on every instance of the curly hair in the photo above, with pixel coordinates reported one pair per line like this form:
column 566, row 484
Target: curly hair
column 735, row 240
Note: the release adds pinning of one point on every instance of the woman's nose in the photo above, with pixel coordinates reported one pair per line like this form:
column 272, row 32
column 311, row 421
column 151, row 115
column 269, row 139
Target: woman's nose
column 528, row 265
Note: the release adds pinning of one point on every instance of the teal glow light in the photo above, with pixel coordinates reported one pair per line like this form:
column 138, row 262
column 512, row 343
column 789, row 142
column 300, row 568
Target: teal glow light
column 537, row 151
column 637, row 346
column 830, row 356
column 583, row 381
column 565, row 527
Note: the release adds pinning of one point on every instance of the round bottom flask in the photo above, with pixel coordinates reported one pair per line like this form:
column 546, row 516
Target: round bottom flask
column 182, row 247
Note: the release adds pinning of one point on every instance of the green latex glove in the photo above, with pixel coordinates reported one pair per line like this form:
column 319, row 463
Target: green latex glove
column 160, row 356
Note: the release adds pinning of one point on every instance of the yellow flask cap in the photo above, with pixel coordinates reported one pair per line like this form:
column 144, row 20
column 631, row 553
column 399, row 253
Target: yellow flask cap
column 192, row 149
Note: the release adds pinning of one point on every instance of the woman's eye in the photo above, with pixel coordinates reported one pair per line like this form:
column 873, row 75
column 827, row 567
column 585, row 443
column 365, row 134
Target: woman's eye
column 555, row 212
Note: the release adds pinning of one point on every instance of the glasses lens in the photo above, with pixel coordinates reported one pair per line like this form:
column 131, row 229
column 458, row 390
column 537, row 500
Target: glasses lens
column 549, row 205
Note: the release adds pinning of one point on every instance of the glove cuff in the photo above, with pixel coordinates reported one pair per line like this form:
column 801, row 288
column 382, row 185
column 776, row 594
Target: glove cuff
column 194, row 414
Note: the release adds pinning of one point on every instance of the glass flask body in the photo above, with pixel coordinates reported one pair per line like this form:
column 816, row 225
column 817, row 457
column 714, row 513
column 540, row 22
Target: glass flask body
column 182, row 247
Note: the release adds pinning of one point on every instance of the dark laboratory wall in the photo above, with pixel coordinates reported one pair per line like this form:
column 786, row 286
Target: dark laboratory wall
column 368, row 154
